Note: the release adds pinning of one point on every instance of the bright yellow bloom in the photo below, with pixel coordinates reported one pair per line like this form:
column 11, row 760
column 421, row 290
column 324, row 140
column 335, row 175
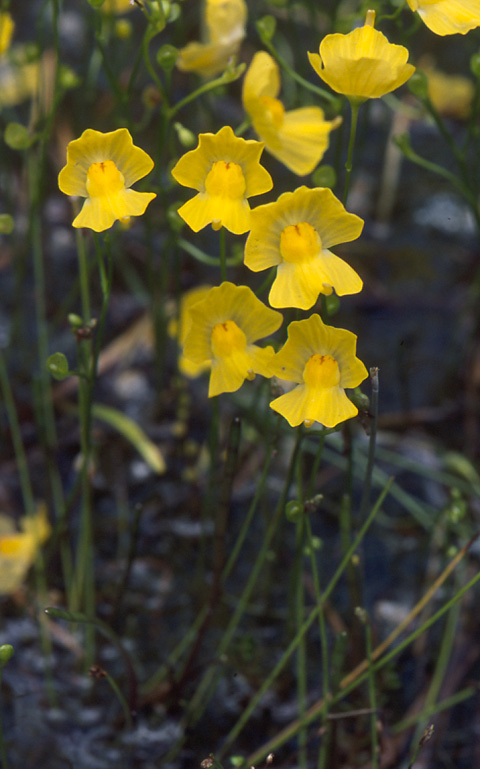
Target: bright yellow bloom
column 179, row 328
column 7, row 27
column 363, row 64
column 18, row 549
column 101, row 168
column 19, row 77
column 226, row 171
column 297, row 138
column 448, row 17
column 321, row 360
column 294, row 234
column 451, row 95
column 224, row 25
column 117, row 6
column 223, row 329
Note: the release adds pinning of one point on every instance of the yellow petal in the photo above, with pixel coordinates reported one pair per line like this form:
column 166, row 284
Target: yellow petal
column 340, row 275
column 362, row 64
column 100, row 213
column 117, row 6
column 225, row 20
column 192, row 169
column 327, row 406
column 312, row 336
column 298, row 285
column 224, row 31
column 262, row 78
column 448, row 17
column 96, row 147
column 207, row 59
column 302, row 282
column 223, row 304
column 304, row 137
column 7, row 28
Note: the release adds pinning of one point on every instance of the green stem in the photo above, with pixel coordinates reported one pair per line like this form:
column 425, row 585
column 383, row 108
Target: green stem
column 325, row 661
column 19, row 449
column 362, row 671
column 199, row 700
column 203, row 258
column 314, row 614
column 334, row 100
column 123, row 702
column 355, row 106
column 83, row 272
column 367, row 484
column 440, row 171
column 3, row 751
column 227, row 77
column 372, row 696
column 223, row 255
column 248, row 518
column 301, row 651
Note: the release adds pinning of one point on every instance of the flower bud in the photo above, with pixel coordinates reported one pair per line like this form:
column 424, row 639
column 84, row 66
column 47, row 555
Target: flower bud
column 475, row 64
column 6, row 653
column 266, row 28
column 6, row 224
column 294, row 510
column 325, row 176
column 17, row 137
column 167, row 57
column 418, row 84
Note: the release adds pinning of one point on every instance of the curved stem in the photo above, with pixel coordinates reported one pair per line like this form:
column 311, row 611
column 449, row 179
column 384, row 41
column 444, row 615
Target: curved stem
column 223, row 255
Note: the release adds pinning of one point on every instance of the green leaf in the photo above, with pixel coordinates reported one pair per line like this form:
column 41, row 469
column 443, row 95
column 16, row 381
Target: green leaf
column 133, row 433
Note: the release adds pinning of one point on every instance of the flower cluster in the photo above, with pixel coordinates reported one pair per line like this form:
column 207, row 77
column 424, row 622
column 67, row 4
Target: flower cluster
column 218, row 327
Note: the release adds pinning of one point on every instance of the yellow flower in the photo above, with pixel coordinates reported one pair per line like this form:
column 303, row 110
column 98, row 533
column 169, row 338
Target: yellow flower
column 224, row 24
column 297, row 138
column 179, row 328
column 117, row 6
column 7, row 27
column 451, row 95
column 19, row 77
column 294, row 235
column 18, row 549
column 223, row 329
column 363, row 64
column 101, row 168
column 322, row 361
column 226, row 171
column 448, row 17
